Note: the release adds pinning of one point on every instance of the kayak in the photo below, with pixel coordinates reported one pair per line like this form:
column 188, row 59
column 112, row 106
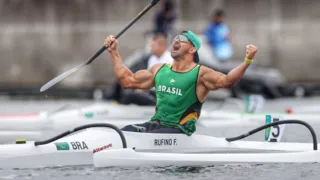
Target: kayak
column 94, row 144
column 132, row 158
column 46, row 124
column 231, row 119
column 229, row 152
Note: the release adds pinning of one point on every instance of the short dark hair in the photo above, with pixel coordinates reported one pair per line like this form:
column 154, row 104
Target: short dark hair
column 168, row 5
column 219, row 12
column 159, row 34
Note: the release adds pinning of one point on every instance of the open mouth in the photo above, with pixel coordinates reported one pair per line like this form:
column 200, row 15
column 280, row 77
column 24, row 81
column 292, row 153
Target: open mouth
column 176, row 47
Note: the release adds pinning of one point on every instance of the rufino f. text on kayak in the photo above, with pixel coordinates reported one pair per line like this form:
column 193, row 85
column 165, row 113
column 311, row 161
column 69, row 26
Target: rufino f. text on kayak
column 165, row 142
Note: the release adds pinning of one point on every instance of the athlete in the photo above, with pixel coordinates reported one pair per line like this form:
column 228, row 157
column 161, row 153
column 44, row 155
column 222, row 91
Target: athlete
column 181, row 87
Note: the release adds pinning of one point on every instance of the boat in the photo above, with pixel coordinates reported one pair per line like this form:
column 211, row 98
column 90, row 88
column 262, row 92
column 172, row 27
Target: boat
column 46, row 124
column 131, row 158
column 314, row 109
column 233, row 152
column 233, row 119
column 96, row 144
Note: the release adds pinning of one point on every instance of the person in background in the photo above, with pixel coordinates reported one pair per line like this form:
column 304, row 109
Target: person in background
column 159, row 53
column 218, row 37
column 164, row 19
column 159, row 50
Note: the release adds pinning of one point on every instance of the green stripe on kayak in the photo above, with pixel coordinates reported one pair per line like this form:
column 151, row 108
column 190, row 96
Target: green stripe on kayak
column 62, row 146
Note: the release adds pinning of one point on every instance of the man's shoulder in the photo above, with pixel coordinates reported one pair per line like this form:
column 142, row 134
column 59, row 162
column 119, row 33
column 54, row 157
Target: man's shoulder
column 204, row 69
column 156, row 67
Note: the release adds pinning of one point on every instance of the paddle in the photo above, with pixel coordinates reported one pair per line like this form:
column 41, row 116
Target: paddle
column 101, row 50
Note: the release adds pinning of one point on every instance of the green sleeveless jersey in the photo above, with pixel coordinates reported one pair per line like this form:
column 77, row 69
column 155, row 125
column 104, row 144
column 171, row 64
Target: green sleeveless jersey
column 177, row 102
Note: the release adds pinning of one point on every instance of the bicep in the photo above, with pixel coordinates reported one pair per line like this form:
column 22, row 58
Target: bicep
column 142, row 79
column 213, row 80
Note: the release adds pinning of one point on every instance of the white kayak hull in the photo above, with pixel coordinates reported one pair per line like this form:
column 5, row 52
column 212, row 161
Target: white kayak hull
column 69, row 118
column 84, row 148
column 30, row 156
column 131, row 158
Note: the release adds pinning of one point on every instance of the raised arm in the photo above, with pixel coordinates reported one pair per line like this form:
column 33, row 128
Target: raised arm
column 213, row 80
column 142, row 79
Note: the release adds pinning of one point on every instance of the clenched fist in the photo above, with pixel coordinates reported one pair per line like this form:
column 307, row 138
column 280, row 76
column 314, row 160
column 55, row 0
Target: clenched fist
column 111, row 44
column 251, row 51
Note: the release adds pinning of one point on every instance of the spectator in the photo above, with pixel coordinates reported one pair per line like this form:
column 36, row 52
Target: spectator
column 219, row 38
column 164, row 18
column 159, row 50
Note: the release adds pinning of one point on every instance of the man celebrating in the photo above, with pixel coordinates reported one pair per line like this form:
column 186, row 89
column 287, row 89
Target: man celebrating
column 181, row 88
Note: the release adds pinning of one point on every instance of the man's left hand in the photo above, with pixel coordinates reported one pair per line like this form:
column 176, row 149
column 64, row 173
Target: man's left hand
column 251, row 51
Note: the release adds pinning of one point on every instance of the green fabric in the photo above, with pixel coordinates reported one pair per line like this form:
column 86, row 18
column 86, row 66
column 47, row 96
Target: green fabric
column 176, row 97
column 189, row 127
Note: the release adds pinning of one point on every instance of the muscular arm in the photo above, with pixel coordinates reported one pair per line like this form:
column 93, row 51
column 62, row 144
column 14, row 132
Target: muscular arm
column 142, row 79
column 213, row 80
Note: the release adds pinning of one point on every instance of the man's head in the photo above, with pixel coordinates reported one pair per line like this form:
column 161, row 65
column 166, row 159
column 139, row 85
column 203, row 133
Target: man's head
column 218, row 16
column 159, row 44
column 186, row 45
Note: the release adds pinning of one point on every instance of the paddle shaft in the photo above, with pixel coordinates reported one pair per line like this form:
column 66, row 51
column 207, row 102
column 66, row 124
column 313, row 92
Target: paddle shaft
column 95, row 55
column 103, row 48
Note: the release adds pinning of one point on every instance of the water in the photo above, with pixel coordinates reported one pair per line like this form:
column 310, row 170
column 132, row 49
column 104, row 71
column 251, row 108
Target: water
column 221, row 172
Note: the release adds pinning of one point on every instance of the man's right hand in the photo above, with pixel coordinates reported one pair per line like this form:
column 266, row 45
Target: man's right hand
column 111, row 44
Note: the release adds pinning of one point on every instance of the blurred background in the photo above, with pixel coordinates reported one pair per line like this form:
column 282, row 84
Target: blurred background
column 41, row 39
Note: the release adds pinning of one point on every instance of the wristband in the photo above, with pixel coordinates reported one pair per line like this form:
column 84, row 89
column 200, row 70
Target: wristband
column 248, row 61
